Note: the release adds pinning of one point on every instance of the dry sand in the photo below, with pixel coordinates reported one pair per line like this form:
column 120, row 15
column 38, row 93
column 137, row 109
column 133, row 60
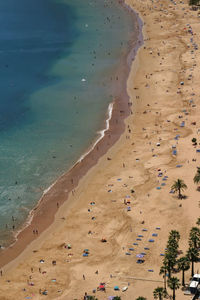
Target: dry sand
column 160, row 104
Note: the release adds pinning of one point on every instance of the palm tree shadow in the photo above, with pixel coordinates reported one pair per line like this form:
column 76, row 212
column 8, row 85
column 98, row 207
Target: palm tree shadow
column 183, row 197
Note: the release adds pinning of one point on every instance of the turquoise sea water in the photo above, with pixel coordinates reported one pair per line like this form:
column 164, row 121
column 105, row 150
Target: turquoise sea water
column 56, row 60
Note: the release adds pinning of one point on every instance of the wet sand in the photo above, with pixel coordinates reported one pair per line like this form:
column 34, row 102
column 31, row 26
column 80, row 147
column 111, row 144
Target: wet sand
column 126, row 199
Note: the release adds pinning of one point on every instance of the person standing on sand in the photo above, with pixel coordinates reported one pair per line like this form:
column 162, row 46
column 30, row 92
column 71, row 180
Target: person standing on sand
column 85, row 297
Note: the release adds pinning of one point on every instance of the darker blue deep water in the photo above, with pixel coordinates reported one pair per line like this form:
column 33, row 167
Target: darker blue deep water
column 33, row 34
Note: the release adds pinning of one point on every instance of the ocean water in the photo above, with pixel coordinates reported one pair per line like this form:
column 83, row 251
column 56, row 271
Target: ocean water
column 56, row 61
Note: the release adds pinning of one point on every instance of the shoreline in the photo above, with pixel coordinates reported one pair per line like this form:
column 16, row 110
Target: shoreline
column 40, row 217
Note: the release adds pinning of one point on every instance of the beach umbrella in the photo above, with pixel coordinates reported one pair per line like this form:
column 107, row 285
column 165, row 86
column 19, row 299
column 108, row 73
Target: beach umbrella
column 140, row 255
column 116, row 288
column 102, row 286
column 140, row 261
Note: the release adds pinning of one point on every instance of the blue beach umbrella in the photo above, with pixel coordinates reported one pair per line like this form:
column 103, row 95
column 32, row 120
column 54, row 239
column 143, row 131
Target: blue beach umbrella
column 177, row 137
column 140, row 255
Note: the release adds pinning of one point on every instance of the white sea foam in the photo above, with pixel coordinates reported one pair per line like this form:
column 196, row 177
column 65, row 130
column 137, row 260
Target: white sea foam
column 48, row 189
column 101, row 132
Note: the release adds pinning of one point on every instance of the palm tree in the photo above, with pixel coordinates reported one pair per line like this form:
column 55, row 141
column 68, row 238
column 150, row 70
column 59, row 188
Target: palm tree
column 194, row 2
column 174, row 284
column 183, row 265
column 170, row 260
column 163, row 270
column 194, row 141
column 196, row 178
column 194, row 237
column 159, row 293
column 141, row 298
column 175, row 235
column 178, row 186
column 193, row 256
column 198, row 221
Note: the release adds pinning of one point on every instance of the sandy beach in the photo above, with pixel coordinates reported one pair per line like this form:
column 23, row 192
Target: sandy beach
column 122, row 199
